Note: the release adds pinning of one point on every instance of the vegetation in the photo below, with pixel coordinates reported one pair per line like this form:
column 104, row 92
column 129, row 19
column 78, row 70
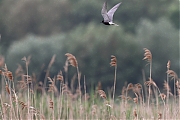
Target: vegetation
column 46, row 85
column 43, row 29
column 29, row 100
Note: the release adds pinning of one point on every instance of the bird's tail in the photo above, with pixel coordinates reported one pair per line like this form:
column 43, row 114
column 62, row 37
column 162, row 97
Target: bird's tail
column 116, row 24
column 111, row 23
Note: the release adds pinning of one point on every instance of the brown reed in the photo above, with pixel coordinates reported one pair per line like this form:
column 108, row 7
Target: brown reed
column 113, row 61
column 135, row 114
column 71, row 59
column 114, row 64
column 135, row 99
column 148, row 57
column 27, row 62
column 73, row 62
column 23, row 105
column 163, row 96
column 60, row 76
column 139, row 90
column 102, row 94
column 168, row 64
column 9, row 75
column 150, row 82
column 166, row 86
column 159, row 116
column 172, row 74
column 174, row 77
column 51, row 104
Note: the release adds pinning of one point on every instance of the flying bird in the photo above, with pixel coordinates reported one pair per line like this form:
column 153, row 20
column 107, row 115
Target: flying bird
column 108, row 16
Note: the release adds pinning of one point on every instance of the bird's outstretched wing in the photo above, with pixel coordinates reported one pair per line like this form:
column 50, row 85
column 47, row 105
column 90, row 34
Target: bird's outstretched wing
column 112, row 11
column 104, row 12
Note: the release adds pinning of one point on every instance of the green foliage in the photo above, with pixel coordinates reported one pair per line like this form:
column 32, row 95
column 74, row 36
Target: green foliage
column 42, row 17
column 40, row 49
column 173, row 13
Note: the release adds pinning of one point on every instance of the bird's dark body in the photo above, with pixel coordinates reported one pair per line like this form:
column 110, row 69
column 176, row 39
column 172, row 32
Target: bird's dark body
column 106, row 23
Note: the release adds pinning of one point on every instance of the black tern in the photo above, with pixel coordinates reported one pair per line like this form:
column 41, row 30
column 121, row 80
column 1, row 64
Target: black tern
column 108, row 16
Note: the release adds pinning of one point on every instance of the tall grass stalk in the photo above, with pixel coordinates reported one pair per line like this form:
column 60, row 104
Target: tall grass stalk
column 3, row 114
column 79, row 77
column 148, row 57
column 167, row 94
column 114, row 83
column 27, row 61
column 174, row 77
column 85, row 98
column 61, row 79
column 72, row 60
column 114, row 63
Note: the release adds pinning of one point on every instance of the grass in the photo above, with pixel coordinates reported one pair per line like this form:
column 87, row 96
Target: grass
column 26, row 100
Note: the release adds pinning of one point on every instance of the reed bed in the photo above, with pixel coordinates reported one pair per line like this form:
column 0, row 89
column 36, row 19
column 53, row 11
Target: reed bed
column 22, row 98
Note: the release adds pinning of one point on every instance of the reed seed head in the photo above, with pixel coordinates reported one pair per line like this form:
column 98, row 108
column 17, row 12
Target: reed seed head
column 94, row 109
column 51, row 103
column 135, row 100
column 130, row 86
column 71, row 59
column 102, row 94
column 113, row 61
column 163, row 96
column 6, row 105
column 150, row 82
column 159, row 116
column 135, row 113
column 9, row 75
column 60, row 76
column 172, row 74
column 51, row 85
column 23, row 105
column 168, row 64
column 147, row 55
column 138, row 85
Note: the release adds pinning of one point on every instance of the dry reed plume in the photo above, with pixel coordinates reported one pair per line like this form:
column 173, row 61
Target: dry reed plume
column 72, row 60
column 102, row 94
column 60, row 76
column 148, row 57
column 166, row 86
column 114, row 64
column 172, row 74
column 113, row 61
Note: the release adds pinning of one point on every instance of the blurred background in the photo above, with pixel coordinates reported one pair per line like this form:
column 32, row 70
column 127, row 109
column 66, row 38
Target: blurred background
column 43, row 28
